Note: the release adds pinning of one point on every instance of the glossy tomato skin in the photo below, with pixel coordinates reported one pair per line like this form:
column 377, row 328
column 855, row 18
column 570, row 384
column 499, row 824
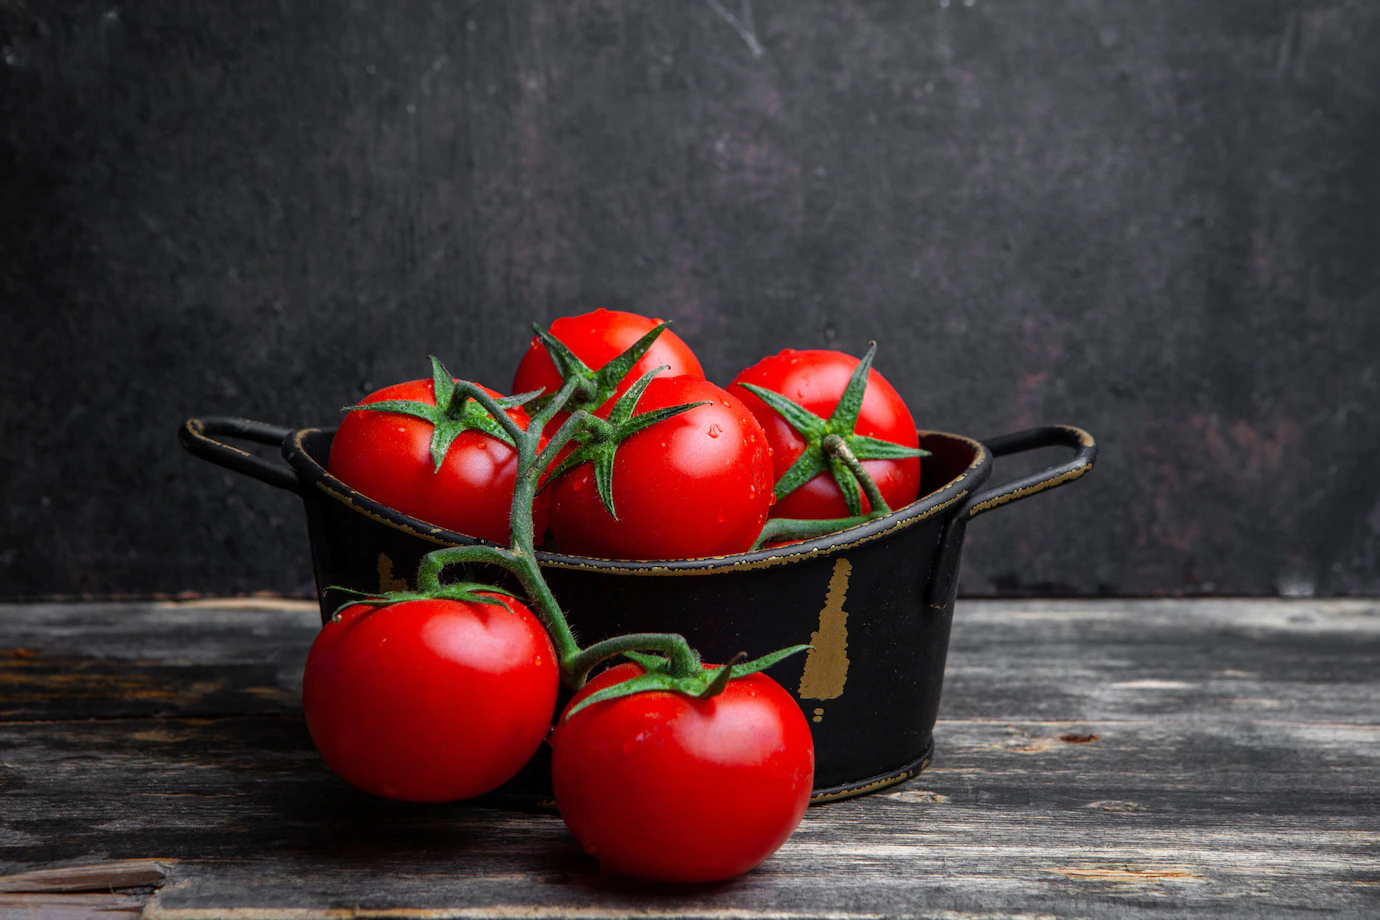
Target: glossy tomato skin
column 662, row 786
column 430, row 700
column 697, row 484
column 387, row 456
column 597, row 338
column 816, row 379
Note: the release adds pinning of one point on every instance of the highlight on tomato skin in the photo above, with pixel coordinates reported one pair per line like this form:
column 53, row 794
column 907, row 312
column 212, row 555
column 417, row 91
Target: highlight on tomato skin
column 815, row 379
column 430, row 700
column 597, row 338
column 698, row 484
column 666, row 787
column 387, row 456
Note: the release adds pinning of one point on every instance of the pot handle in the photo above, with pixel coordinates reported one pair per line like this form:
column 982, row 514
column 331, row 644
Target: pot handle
column 1048, row 478
column 195, row 435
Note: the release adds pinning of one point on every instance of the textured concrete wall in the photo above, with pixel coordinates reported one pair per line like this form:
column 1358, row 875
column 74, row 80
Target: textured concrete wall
column 1157, row 220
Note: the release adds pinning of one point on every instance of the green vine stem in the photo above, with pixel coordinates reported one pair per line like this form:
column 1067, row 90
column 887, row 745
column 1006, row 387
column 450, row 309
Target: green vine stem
column 520, row 558
column 675, row 665
column 837, row 448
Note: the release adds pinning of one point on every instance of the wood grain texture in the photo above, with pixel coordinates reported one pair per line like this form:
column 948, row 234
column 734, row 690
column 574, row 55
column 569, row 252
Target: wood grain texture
column 103, row 876
column 1053, row 792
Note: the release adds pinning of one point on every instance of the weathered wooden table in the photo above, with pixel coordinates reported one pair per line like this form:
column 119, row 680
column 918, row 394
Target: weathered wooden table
column 1094, row 758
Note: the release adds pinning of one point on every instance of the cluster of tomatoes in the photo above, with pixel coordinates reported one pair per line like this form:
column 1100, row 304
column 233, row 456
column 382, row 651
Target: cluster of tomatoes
column 699, row 484
column 444, row 693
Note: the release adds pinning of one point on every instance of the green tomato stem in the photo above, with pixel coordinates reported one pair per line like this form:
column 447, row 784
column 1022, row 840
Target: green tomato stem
column 782, row 530
column 835, row 446
column 685, row 661
column 787, row 529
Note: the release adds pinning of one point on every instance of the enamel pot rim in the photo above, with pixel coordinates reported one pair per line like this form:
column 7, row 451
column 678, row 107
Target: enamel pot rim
column 297, row 451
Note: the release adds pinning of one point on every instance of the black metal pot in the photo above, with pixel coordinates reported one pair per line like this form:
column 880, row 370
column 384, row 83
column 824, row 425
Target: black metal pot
column 875, row 602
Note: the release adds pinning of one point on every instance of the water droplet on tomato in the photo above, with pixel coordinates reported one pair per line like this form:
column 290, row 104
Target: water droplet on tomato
column 771, row 499
column 715, row 430
column 577, row 485
column 722, row 516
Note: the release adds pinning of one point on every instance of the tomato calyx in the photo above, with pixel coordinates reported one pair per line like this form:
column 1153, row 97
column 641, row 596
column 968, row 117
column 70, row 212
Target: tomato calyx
column 456, row 410
column 592, row 388
column 469, row 592
column 661, row 673
column 832, row 445
column 601, row 438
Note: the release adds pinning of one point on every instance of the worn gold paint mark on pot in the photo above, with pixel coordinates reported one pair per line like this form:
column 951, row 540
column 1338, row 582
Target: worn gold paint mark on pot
column 826, row 664
column 387, row 580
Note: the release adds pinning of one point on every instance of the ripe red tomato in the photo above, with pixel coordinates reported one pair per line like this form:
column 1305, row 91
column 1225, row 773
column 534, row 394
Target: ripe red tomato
column 697, row 484
column 597, row 338
column 387, row 456
column 815, row 380
column 667, row 787
column 430, row 700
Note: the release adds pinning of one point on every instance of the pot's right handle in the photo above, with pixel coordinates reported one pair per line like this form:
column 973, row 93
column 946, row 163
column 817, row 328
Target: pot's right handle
column 1048, row 478
column 944, row 582
column 195, row 435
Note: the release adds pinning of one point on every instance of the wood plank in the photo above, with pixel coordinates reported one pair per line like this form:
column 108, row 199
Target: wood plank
column 202, row 658
column 1277, row 815
column 102, row 876
column 1210, row 660
column 1009, row 659
column 70, row 906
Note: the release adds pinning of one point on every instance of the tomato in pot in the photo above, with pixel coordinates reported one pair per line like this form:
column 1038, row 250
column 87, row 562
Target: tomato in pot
column 389, row 457
column 696, row 484
column 815, row 380
column 596, row 338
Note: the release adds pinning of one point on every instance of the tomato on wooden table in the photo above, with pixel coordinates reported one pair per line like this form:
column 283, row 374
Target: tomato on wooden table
column 596, row 338
column 815, row 379
column 387, row 456
column 664, row 786
column 430, row 700
column 696, row 484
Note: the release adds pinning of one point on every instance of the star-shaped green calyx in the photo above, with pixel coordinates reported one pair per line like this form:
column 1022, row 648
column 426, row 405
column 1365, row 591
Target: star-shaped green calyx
column 601, row 438
column 823, row 437
column 451, row 414
column 467, row 591
column 660, row 675
column 594, row 388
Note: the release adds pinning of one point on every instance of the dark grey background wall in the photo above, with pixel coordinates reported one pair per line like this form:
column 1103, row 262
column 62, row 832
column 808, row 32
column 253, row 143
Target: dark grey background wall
column 1158, row 220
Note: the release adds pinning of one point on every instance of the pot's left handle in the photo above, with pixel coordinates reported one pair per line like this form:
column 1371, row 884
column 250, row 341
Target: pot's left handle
column 196, row 436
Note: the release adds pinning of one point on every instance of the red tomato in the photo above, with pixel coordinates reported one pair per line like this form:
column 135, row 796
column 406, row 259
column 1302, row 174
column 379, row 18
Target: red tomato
column 387, row 456
column 697, row 484
column 430, row 700
column 666, row 787
column 815, row 379
column 596, row 339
